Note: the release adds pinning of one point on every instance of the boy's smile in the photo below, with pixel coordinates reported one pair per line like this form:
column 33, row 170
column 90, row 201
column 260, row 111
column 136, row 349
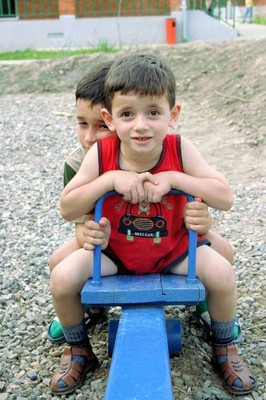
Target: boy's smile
column 142, row 139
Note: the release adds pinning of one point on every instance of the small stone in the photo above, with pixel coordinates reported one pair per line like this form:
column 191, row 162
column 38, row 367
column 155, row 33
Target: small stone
column 32, row 374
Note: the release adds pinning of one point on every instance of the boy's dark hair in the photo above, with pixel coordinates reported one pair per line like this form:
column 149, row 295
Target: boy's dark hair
column 140, row 74
column 91, row 86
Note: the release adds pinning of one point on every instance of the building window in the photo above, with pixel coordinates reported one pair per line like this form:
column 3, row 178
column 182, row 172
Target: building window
column 8, row 8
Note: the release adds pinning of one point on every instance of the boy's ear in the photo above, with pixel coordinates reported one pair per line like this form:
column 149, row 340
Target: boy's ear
column 175, row 114
column 108, row 119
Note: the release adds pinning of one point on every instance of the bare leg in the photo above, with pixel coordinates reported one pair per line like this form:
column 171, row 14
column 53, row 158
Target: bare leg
column 63, row 251
column 221, row 245
column 67, row 280
column 55, row 332
column 218, row 277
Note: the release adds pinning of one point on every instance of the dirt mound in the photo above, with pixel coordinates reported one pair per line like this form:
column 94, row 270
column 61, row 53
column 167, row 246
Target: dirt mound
column 231, row 67
column 229, row 77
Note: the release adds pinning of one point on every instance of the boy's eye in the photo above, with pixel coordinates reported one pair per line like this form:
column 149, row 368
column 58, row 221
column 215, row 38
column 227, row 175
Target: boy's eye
column 154, row 113
column 103, row 127
column 82, row 123
column 126, row 114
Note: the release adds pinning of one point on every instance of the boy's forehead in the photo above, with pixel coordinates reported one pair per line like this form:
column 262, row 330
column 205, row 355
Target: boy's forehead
column 84, row 108
column 132, row 97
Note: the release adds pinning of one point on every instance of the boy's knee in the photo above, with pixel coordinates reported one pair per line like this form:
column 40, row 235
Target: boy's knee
column 225, row 278
column 229, row 252
column 53, row 282
column 53, row 261
column 222, row 246
column 220, row 277
column 59, row 284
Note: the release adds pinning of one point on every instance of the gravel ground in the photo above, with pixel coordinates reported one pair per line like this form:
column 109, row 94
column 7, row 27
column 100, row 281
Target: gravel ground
column 37, row 132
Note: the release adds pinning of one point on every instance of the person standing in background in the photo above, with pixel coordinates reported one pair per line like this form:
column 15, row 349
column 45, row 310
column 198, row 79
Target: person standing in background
column 249, row 4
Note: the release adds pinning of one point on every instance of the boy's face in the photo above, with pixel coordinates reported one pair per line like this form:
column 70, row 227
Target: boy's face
column 141, row 122
column 91, row 125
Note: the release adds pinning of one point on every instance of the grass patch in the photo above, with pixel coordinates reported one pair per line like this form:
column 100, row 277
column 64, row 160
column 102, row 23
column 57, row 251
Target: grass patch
column 259, row 20
column 31, row 54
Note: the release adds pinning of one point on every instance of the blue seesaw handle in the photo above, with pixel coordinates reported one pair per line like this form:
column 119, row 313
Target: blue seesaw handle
column 96, row 275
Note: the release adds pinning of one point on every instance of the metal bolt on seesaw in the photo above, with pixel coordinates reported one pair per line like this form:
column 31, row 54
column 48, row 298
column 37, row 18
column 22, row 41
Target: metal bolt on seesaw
column 142, row 341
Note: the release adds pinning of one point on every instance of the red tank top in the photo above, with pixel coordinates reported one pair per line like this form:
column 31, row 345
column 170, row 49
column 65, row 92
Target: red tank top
column 146, row 237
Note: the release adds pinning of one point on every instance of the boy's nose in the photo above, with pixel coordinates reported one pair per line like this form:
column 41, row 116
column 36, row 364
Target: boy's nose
column 90, row 137
column 140, row 122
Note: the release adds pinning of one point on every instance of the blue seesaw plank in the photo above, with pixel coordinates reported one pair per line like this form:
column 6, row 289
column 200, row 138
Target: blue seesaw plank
column 140, row 367
column 123, row 290
column 138, row 289
column 177, row 289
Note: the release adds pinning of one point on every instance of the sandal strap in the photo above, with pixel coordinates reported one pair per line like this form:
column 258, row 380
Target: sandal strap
column 70, row 371
column 233, row 368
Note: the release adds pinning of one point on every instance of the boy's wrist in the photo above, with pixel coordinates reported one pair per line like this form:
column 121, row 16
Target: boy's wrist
column 173, row 179
column 108, row 181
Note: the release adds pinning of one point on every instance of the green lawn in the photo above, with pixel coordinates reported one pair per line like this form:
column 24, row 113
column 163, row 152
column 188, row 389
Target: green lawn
column 259, row 20
column 30, row 54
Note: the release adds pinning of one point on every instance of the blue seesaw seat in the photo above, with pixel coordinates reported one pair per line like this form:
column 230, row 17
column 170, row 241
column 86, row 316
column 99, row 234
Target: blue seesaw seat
column 140, row 367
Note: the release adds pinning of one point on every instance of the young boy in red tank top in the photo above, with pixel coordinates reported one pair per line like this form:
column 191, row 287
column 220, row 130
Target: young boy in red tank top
column 140, row 109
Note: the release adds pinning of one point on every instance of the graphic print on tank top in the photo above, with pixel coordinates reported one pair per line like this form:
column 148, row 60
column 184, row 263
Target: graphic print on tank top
column 143, row 220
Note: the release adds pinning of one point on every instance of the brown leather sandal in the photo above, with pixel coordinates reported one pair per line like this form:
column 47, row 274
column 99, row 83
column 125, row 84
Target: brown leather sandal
column 72, row 372
column 233, row 368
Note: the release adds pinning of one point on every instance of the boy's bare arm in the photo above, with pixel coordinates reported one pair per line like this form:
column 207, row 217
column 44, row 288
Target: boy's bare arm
column 198, row 179
column 211, row 190
column 203, row 181
column 77, row 199
column 196, row 214
column 81, row 193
